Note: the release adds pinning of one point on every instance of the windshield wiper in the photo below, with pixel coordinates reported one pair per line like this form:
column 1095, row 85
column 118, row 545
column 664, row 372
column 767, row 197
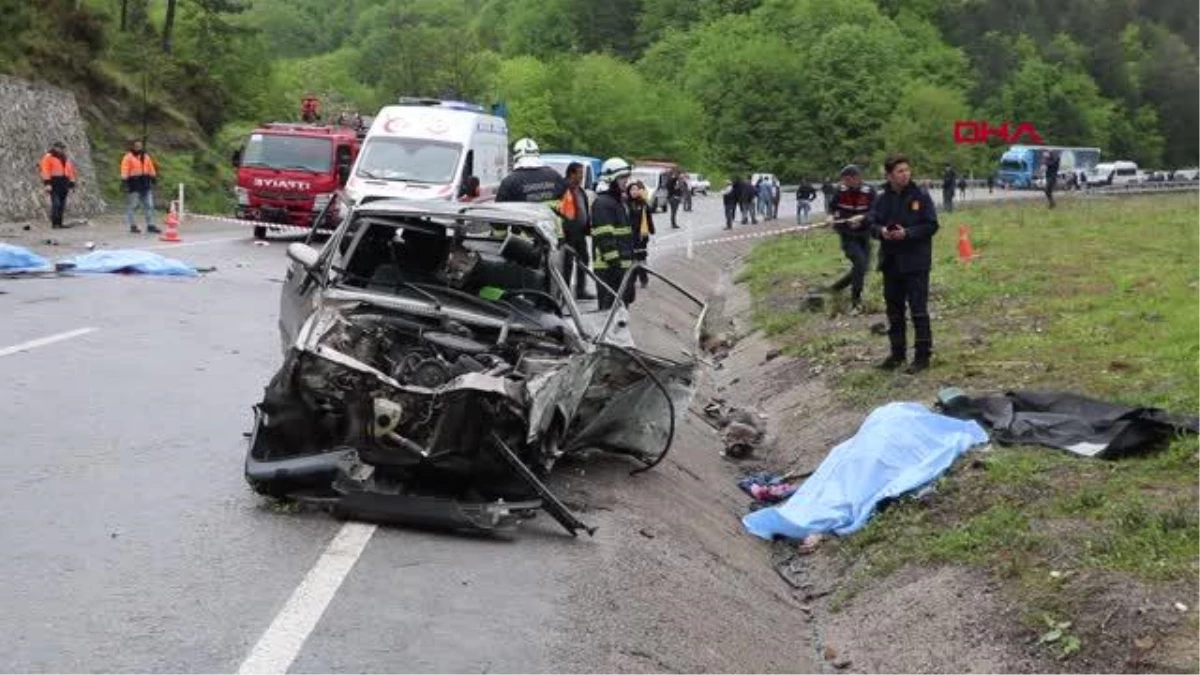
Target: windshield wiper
column 368, row 174
column 297, row 167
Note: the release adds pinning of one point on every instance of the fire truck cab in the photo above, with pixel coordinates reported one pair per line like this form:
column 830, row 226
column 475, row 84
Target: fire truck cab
column 288, row 172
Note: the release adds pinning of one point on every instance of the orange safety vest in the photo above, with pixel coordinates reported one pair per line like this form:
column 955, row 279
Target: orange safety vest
column 133, row 167
column 567, row 207
column 53, row 167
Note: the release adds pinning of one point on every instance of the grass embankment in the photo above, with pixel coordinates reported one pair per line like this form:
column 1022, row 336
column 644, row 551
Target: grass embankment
column 1098, row 297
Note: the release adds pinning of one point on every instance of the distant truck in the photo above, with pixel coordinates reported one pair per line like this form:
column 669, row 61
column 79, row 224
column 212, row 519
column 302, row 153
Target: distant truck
column 287, row 172
column 1021, row 165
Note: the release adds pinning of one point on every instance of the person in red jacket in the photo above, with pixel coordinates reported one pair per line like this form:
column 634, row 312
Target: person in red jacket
column 58, row 175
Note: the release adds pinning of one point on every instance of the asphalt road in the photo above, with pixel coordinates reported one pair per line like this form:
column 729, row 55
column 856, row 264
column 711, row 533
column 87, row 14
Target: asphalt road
column 132, row 542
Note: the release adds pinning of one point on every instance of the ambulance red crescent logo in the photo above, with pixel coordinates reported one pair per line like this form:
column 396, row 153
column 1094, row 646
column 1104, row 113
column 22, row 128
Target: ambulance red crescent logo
column 393, row 124
column 439, row 127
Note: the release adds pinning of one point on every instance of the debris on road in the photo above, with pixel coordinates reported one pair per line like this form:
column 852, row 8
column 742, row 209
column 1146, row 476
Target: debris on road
column 436, row 377
column 742, row 431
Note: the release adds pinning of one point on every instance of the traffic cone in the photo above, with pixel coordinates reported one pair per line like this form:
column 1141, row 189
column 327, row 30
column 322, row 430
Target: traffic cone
column 965, row 251
column 172, row 223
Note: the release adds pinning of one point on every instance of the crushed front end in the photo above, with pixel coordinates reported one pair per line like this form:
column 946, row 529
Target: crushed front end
column 412, row 420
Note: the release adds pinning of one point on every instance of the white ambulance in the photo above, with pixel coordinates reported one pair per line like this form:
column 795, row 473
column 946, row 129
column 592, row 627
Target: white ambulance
column 429, row 149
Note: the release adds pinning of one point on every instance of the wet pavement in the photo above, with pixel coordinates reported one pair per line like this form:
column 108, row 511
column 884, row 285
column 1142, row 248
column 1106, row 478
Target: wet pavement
column 132, row 542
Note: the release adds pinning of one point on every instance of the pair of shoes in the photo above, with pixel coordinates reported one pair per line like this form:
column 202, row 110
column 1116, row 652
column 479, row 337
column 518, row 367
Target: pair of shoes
column 134, row 229
column 857, row 309
column 919, row 364
column 891, row 363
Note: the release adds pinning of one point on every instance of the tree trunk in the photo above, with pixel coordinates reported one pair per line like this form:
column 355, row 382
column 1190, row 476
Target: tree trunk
column 124, row 15
column 168, row 26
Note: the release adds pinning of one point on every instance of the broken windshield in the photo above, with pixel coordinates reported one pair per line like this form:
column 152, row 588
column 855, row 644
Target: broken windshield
column 428, row 262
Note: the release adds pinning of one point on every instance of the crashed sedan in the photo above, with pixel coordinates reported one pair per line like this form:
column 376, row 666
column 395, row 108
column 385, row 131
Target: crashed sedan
column 437, row 366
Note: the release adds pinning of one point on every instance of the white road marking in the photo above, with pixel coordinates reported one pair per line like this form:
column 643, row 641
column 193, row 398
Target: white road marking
column 281, row 643
column 42, row 342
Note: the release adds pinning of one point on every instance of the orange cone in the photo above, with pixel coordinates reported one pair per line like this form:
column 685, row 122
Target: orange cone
column 965, row 251
column 172, row 223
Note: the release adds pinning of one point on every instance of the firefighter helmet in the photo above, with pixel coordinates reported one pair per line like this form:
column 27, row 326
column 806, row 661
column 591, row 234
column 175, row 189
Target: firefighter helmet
column 526, row 154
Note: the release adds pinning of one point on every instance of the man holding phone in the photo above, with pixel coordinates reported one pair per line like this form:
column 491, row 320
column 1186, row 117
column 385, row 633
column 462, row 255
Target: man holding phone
column 904, row 220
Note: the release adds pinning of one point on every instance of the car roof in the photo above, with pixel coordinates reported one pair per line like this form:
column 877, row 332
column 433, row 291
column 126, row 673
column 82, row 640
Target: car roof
column 536, row 218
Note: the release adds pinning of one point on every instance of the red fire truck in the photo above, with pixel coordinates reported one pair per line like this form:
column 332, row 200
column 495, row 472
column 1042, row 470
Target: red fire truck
column 287, row 171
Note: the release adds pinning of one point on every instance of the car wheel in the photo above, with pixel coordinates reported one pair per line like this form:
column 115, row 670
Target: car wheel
column 260, row 232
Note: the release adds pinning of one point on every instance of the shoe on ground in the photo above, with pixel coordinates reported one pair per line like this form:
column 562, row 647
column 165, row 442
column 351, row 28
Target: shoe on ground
column 584, row 296
column 919, row 364
column 153, row 230
column 891, row 363
column 134, row 229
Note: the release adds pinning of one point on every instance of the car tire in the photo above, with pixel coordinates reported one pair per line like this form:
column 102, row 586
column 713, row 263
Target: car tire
column 260, row 232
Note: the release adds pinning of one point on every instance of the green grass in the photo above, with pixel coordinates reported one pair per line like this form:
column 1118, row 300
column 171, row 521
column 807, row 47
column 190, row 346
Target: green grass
column 1095, row 297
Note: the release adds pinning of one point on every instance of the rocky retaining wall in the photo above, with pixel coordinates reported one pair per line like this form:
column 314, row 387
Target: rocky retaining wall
column 32, row 117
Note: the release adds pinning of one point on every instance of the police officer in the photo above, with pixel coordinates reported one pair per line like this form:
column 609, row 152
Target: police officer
column 904, row 220
column 850, row 207
column 612, row 233
column 530, row 181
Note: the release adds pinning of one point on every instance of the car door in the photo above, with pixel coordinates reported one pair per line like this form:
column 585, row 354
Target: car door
column 643, row 371
column 297, row 300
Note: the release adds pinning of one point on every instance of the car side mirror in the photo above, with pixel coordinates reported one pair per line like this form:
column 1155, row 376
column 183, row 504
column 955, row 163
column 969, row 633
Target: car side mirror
column 237, row 158
column 343, row 171
column 304, row 254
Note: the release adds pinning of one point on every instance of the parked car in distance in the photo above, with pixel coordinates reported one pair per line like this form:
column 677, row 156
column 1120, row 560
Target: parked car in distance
column 698, row 183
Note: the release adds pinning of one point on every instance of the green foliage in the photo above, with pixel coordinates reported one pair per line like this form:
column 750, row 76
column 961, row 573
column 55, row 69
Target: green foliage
column 797, row 87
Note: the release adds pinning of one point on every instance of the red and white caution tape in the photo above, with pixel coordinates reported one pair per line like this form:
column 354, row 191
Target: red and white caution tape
column 273, row 227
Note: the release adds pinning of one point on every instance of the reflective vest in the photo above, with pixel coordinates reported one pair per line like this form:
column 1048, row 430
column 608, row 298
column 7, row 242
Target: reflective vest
column 57, row 170
column 133, row 166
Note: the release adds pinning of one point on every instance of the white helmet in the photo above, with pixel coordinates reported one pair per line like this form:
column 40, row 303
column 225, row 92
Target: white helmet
column 614, row 168
column 526, row 154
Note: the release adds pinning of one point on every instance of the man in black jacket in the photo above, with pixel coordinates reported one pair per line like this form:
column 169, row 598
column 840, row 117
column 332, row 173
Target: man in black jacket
column 905, row 221
column 1052, row 165
column 949, row 182
column 851, row 209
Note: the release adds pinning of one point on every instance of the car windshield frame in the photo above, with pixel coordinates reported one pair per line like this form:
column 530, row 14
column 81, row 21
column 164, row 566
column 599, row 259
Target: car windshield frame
column 469, row 230
column 288, row 151
column 414, row 149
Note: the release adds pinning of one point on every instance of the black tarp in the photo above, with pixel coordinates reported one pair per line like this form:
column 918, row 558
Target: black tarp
column 1078, row 424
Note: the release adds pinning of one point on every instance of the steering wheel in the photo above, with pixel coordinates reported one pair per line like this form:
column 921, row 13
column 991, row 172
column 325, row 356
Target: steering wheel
column 544, row 300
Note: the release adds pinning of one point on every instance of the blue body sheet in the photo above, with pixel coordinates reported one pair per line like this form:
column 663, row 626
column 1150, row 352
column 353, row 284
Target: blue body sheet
column 128, row 260
column 18, row 259
column 899, row 448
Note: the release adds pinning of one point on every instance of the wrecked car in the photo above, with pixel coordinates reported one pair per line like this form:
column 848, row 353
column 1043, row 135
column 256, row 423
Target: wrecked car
column 437, row 366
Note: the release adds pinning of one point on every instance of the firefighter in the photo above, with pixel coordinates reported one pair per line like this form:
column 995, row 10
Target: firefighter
column 852, row 199
column 531, row 181
column 138, row 176
column 612, row 234
column 905, row 221
column 58, row 175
